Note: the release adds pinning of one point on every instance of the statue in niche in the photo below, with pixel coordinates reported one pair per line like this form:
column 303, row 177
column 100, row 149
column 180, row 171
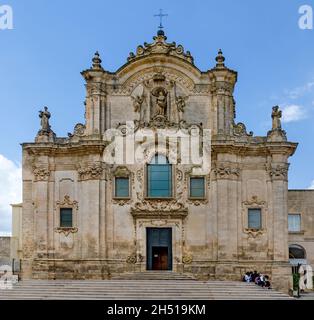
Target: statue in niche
column 45, row 116
column 161, row 103
column 276, row 116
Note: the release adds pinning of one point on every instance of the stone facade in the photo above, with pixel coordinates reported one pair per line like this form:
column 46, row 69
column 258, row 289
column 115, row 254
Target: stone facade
column 302, row 202
column 159, row 87
column 5, row 258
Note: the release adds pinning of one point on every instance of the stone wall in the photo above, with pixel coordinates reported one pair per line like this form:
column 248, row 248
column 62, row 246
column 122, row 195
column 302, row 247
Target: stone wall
column 5, row 243
column 302, row 202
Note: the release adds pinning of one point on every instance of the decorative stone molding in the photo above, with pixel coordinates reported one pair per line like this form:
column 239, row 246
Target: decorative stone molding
column 159, row 208
column 79, row 131
column 122, row 202
column 131, row 259
column 239, row 130
column 179, row 175
column 66, row 230
column 253, row 233
column 159, row 205
column 276, row 135
column 187, row 259
column 122, row 172
column 67, row 202
column 197, row 202
column 91, row 172
column 180, row 103
column 254, row 201
column 41, row 174
column 278, row 172
column 226, row 171
column 161, row 46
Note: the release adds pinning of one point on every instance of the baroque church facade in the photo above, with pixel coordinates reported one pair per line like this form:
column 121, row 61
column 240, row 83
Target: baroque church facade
column 84, row 217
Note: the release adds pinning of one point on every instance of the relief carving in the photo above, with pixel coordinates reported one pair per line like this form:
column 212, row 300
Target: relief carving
column 159, row 208
column 187, row 259
column 254, row 201
column 239, row 130
column 227, row 172
column 91, row 172
column 137, row 103
column 66, row 230
column 131, row 259
column 278, row 172
column 79, row 131
column 41, row 174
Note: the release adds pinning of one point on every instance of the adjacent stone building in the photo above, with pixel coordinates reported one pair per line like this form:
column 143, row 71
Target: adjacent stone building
column 86, row 217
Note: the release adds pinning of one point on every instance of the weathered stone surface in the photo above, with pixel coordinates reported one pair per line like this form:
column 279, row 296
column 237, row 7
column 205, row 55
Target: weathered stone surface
column 157, row 88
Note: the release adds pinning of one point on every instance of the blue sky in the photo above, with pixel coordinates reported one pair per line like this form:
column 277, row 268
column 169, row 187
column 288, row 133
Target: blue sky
column 52, row 41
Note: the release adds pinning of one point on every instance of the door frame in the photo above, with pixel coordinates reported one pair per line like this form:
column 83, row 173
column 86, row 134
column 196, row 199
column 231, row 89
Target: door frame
column 150, row 245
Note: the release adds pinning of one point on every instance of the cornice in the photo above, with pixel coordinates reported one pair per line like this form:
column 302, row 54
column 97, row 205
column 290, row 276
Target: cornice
column 51, row 149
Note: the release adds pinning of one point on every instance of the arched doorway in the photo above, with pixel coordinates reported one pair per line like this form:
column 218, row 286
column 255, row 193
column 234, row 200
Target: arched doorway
column 297, row 256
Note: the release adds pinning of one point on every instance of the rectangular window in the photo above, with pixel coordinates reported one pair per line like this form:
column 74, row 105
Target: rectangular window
column 255, row 219
column 159, row 181
column 197, row 187
column 294, row 222
column 122, row 188
column 66, row 217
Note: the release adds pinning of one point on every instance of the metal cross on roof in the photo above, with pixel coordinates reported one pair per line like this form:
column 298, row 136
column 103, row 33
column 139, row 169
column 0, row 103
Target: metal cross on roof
column 160, row 15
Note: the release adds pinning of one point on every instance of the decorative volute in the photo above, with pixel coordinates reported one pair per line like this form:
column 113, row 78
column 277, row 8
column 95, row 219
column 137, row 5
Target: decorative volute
column 161, row 46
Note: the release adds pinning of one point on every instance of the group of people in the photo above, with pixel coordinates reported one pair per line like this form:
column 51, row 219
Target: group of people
column 258, row 278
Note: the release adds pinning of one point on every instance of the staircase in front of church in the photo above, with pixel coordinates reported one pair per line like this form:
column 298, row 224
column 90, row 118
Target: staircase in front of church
column 153, row 275
column 134, row 289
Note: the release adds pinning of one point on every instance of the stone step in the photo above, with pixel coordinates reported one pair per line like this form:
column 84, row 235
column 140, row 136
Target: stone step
column 138, row 290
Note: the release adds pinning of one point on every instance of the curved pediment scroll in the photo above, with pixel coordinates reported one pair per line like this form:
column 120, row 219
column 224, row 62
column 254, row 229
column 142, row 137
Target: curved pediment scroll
column 161, row 46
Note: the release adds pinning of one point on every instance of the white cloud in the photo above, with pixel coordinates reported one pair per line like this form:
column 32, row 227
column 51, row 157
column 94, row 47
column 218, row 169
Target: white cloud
column 292, row 113
column 10, row 191
column 311, row 186
column 300, row 91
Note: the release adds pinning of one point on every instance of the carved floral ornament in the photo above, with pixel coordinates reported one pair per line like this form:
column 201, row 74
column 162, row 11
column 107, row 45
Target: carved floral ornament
column 66, row 230
column 278, row 172
column 134, row 258
column 223, row 171
column 254, row 233
column 67, row 202
column 187, row 259
column 121, row 172
column 41, row 174
column 90, row 172
column 159, row 208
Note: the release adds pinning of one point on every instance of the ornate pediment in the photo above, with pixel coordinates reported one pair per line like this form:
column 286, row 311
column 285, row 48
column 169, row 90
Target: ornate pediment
column 161, row 46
